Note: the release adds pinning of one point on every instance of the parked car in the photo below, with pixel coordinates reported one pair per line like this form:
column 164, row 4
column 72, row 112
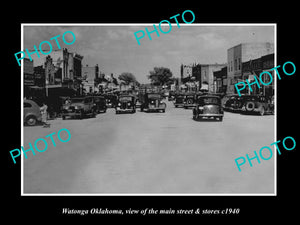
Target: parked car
column 256, row 104
column 111, row 100
column 189, row 101
column 79, row 107
column 208, row 106
column 232, row 103
column 137, row 103
column 100, row 103
column 179, row 100
column 31, row 113
column 153, row 102
column 171, row 96
column 125, row 104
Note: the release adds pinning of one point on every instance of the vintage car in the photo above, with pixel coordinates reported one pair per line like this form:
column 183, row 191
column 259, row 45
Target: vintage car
column 79, row 107
column 189, row 100
column 208, row 106
column 257, row 104
column 231, row 103
column 125, row 104
column 31, row 113
column 179, row 100
column 171, row 96
column 111, row 100
column 152, row 102
column 100, row 103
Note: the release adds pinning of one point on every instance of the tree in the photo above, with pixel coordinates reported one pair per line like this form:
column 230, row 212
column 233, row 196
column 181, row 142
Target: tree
column 160, row 76
column 127, row 78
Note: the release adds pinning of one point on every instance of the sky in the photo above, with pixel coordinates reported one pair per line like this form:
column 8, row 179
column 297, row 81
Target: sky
column 115, row 49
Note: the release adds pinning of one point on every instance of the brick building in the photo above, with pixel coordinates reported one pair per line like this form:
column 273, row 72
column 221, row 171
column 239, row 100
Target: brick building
column 241, row 53
column 253, row 68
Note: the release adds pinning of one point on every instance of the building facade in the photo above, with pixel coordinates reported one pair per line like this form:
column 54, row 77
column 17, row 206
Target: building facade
column 255, row 67
column 28, row 72
column 200, row 75
column 90, row 74
column 220, row 80
column 239, row 54
column 62, row 68
column 207, row 76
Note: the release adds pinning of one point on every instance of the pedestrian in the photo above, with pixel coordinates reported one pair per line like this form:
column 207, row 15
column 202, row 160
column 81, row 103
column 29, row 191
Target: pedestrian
column 44, row 113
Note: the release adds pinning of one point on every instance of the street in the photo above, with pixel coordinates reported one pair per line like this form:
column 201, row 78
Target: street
column 151, row 153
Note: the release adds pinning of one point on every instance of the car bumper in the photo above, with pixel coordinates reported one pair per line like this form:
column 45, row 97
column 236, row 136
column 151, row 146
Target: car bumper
column 210, row 115
column 179, row 104
column 188, row 105
column 155, row 108
column 124, row 110
column 73, row 113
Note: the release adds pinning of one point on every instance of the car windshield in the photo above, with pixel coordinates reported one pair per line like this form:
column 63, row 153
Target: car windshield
column 125, row 98
column 77, row 100
column 154, row 96
column 208, row 100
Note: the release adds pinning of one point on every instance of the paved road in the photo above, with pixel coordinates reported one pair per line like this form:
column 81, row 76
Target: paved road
column 151, row 153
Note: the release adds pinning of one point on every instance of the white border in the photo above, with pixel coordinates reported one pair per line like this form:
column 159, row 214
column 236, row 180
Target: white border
column 152, row 194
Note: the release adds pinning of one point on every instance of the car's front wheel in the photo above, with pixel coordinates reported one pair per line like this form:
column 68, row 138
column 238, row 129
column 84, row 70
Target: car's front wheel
column 31, row 120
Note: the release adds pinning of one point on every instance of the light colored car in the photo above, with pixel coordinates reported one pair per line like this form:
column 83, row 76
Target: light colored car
column 32, row 113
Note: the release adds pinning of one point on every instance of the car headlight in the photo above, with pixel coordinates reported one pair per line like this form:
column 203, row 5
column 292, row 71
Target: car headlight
column 77, row 107
column 128, row 103
column 200, row 108
column 119, row 104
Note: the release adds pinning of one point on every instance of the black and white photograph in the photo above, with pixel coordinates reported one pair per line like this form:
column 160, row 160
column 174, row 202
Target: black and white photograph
column 142, row 111
column 160, row 117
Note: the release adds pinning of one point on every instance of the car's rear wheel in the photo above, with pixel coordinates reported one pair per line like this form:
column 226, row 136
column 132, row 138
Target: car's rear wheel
column 250, row 106
column 31, row 120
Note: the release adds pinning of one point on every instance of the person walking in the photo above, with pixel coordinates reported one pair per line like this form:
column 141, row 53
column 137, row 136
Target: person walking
column 44, row 113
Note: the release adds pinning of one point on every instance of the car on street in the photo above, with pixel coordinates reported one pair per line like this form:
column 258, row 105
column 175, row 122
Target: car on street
column 189, row 100
column 256, row 104
column 31, row 112
column 111, row 100
column 152, row 102
column 79, row 107
column 179, row 100
column 100, row 103
column 125, row 104
column 208, row 106
column 171, row 96
column 231, row 103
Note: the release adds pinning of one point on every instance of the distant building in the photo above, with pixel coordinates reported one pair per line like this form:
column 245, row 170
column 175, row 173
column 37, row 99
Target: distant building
column 220, row 80
column 186, row 72
column 241, row 53
column 89, row 75
column 207, row 76
column 200, row 74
